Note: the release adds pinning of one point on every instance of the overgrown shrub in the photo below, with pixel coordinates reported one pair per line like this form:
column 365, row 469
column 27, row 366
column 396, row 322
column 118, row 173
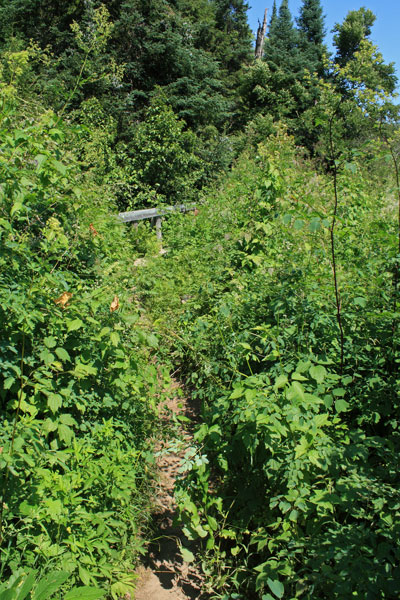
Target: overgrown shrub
column 291, row 484
column 78, row 378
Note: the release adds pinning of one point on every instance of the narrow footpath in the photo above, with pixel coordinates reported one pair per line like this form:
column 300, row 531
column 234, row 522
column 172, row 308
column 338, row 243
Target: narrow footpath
column 164, row 575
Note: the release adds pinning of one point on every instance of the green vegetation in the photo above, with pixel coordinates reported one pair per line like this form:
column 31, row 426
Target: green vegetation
column 79, row 380
column 277, row 300
column 293, row 482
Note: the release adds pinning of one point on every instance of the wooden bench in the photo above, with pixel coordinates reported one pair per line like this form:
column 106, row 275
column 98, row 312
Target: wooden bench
column 155, row 214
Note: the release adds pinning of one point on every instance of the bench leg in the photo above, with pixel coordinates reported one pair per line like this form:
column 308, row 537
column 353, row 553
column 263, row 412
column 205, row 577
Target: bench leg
column 158, row 228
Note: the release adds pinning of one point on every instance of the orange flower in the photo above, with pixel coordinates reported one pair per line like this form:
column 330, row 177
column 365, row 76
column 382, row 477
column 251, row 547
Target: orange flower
column 63, row 299
column 114, row 304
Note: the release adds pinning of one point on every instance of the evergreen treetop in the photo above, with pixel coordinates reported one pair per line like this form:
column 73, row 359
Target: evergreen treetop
column 233, row 34
column 274, row 18
column 311, row 22
column 311, row 35
column 285, row 33
column 282, row 39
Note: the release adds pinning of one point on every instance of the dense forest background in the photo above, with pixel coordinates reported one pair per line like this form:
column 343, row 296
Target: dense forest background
column 278, row 301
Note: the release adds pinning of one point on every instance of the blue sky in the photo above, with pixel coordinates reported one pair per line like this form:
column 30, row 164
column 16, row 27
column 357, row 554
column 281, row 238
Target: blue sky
column 385, row 32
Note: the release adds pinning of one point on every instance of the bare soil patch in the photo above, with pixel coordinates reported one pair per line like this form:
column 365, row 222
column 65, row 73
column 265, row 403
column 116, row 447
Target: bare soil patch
column 164, row 575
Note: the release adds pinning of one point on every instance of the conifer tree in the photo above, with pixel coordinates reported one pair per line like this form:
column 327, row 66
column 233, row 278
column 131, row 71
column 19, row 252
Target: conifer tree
column 233, row 46
column 274, row 18
column 282, row 36
column 285, row 63
column 280, row 88
column 311, row 35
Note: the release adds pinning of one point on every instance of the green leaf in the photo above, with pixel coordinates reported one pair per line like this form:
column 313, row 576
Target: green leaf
column 131, row 319
column 237, row 393
column 352, row 167
column 47, row 357
column 84, row 593
column 104, row 331
column 256, row 259
column 276, row 587
column 298, row 377
column 250, row 394
column 121, row 589
column 18, row 586
column 359, row 301
column 16, row 207
column 298, row 390
column 56, row 134
column 50, row 341
column 115, row 339
column 152, row 340
column 74, row 324
column 246, row 345
column 84, row 575
column 67, row 419
column 62, row 354
column 54, row 508
column 341, row 406
column 187, row 555
column 318, row 372
column 281, row 381
column 82, row 370
column 27, row 585
column 50, row 584
column 224, row 310
column 301, row 448
column 298, row 224
column 293, row 515
column 65, row 433
column 10, row 594
column 328, row 400
column 8, row 382
column 321, row 419
column 339, row 392
column 40, row 159
column 54, row 402
column 60, row 167
column 49, row 425
column 315, row 224
column 200, row 531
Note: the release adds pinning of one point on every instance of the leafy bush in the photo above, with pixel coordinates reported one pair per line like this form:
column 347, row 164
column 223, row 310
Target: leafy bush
column 25, row 585
column 292, row 483
column 78, row 376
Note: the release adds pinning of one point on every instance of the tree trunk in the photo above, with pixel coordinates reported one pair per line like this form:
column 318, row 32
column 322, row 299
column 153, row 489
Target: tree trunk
column 261, row 36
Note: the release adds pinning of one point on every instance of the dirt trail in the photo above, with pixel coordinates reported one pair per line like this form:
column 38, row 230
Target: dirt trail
column 164, row 575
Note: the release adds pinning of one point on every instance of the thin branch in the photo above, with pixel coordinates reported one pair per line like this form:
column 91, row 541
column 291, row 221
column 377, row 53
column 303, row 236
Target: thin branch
column 396, row 272
column 332, row 238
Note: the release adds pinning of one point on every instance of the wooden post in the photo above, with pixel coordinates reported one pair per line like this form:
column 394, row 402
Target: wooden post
column 259, row 51
column 158, row 228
